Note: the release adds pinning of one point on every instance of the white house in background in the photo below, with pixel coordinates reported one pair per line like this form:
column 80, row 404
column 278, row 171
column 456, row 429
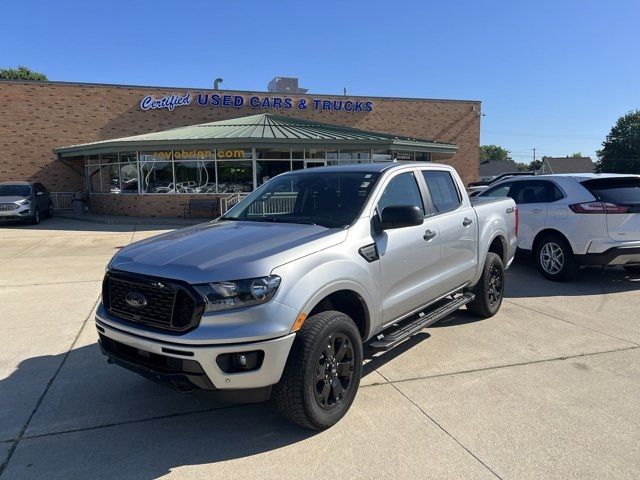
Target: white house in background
column 552, row 165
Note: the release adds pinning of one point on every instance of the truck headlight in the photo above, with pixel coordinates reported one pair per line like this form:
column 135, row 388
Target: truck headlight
column 24, row 201
column 239, row 293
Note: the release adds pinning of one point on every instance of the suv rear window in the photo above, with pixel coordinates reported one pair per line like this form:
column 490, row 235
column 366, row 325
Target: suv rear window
column 620, row 191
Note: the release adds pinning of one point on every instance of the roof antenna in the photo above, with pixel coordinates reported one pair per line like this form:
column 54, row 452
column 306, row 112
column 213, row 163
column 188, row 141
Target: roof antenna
column 345, row 91
column 216, row 83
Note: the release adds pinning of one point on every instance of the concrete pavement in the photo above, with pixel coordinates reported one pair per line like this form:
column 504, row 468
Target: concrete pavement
column 547, row 388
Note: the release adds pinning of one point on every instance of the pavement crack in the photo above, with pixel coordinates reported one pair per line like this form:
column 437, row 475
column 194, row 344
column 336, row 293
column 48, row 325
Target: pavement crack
column 498, row 367
column 134, row 421
column 444, row 430
column 20, row 436
column 51, row 283
column 572, row 323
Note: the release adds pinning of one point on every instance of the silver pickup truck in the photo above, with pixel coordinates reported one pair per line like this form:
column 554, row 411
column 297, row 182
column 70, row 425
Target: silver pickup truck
column 280, row 295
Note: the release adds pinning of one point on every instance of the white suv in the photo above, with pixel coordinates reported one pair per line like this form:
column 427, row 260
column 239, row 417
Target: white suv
column 576, row 219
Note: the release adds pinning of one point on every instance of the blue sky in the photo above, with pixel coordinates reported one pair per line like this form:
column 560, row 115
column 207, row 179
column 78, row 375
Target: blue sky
column 554, row 75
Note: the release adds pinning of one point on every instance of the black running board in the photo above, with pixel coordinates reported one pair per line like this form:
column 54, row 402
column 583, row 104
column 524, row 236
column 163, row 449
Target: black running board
column 397, row 334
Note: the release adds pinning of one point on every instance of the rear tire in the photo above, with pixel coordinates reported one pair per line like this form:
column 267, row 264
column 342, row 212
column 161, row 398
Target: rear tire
column 635, row 269
column 323, row 371
column 490, row 289
column 554, row 258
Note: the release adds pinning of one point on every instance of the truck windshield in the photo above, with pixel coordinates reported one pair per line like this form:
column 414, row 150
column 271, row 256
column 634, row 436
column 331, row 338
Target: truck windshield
column 329, row 199
column 15, row 190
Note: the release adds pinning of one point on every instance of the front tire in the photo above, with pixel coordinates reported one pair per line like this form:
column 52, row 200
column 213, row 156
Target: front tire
column 323, row 371
column 35, row 220
column 490, row 289
column 554, row 258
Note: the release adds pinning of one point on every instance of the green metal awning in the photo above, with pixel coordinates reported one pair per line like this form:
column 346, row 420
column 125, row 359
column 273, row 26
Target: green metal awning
column 261, row 130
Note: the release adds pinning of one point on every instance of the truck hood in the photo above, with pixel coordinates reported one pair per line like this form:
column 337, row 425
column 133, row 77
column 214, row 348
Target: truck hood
column 230, row 250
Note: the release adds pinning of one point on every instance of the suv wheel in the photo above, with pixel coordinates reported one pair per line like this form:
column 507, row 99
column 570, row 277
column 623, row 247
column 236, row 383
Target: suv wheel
column 490, row 289
column 323, row 371
column 35, row 219
column 554, row 258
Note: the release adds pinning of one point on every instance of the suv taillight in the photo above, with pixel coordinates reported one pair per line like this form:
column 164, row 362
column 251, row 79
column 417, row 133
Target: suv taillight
column 598, row 207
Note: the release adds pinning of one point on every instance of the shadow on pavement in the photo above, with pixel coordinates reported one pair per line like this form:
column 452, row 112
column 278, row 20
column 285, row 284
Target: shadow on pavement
column 108, row 416
column 68, row 225
column 524, row 280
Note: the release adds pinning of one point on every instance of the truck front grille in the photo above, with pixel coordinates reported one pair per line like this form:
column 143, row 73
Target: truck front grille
column 160, row 303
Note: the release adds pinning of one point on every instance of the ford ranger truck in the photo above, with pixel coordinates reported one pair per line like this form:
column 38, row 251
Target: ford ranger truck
column 281, row 293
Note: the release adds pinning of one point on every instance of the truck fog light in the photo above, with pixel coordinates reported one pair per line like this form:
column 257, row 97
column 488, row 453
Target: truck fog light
column 240, row 362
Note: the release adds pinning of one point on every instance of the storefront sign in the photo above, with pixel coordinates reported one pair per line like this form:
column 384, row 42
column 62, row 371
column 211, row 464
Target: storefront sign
column 184, row 154
column 215, row 100
column 230, row 153
column 169, row 102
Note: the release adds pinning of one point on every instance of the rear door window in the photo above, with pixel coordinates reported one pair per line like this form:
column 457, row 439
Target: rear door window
column 535, row 191
column 443, row 190
column 620, row 191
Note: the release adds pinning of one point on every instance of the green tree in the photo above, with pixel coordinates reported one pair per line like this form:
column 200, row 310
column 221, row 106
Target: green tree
column 494, row 152
column 535, row 165
column 576, row 155
column 21, row 73
column 621, row 148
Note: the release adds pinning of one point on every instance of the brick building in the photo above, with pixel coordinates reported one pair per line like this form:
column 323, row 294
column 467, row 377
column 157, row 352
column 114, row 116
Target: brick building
column 42, row 124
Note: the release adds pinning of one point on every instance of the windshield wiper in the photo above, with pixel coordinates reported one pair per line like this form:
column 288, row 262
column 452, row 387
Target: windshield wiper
column 287, row 220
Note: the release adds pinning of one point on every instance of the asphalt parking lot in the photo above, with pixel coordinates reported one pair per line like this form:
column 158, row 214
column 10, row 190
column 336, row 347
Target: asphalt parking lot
column 548, row 388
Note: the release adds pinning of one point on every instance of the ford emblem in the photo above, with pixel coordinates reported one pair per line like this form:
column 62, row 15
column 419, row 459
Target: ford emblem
column 136, row 299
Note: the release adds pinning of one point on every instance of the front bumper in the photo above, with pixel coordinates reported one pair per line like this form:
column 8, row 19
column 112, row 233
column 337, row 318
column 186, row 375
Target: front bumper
column 199, row 368
column 623, row 255
column 23, row 212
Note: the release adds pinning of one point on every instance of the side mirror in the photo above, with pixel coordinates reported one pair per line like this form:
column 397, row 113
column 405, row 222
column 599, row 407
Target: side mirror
column 401, row 216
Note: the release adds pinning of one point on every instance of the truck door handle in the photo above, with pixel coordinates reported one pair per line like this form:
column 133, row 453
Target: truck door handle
column 536, row 210
column 466, row 222
column 429, row 234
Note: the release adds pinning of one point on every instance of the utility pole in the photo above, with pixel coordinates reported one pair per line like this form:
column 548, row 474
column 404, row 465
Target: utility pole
column 534, row 154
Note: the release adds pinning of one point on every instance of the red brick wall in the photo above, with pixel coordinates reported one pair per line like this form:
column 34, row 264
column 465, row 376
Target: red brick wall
column 132, row 205
column 38, row 116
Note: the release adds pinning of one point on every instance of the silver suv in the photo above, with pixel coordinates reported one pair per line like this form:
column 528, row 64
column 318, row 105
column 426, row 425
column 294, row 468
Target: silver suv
column 280, row 294
column 25, row 201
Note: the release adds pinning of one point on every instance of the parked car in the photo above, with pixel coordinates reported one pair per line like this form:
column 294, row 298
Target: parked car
column 576, row 219
column 476, row 188
column 283, row 294
column 25, row 201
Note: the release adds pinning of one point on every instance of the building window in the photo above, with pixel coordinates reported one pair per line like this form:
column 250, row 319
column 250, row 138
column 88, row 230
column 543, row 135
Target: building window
column 235, row 177
column 354, row 156
column 157, row 177
column 273, row 153
column 382, row 156
column 267, row 169
column 195, row 176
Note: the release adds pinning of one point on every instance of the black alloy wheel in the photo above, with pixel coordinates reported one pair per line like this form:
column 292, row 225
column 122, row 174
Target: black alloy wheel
column 334, row 371
column 323, row 371
column 496, row 285
column 490, row 288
